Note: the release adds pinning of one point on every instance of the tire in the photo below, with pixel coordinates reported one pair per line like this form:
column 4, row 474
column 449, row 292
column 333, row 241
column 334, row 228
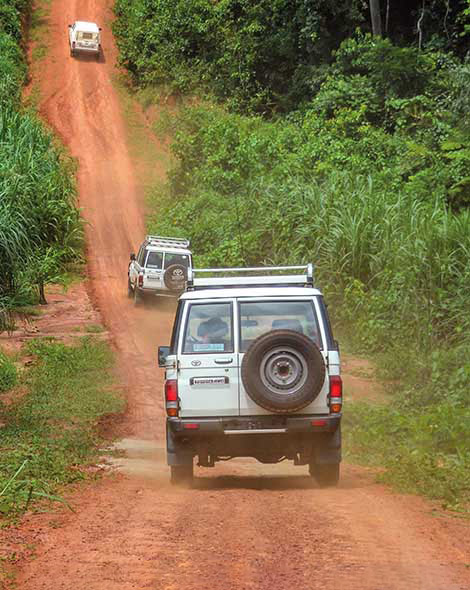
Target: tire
column 283, row 371
column 130, row 290
column 175, row 277
column 326, row 475
column 181, row 474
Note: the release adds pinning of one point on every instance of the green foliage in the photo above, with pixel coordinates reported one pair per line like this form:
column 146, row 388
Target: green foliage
column 53, row 428
column 40, row 230
column 8, row 374
column 253, row 54
column 425, row 450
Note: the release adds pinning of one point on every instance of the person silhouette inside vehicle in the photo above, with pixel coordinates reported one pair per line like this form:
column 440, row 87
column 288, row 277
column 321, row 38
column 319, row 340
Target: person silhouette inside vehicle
column 212, row 331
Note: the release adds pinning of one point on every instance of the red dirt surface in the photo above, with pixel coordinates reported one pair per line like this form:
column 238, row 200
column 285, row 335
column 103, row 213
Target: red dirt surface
column 246, row 525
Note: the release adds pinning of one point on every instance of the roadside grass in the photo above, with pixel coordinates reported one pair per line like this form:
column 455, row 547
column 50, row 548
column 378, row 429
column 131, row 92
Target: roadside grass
column 52, row 430
column 39, row 28
column 150, row 160
column 423, row 450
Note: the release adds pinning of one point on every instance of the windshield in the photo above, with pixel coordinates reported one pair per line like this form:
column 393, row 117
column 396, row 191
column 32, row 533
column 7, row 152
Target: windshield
column 176, row 259
column 259, row 317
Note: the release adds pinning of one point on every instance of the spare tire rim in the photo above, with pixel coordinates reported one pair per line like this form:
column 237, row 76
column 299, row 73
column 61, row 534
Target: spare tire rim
column 283, row 370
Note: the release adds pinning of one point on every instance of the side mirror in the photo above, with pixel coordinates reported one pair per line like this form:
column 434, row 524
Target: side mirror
column 70, row 26
column 336, row 345
column 100, row 29
column 132, row 256
column 163, row 352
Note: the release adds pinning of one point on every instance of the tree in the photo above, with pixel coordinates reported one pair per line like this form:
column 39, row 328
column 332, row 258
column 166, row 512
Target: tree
column 375, row 17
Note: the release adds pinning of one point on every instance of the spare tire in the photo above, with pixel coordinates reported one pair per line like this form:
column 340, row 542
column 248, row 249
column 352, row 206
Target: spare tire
column 283, row 371
column 175, row 277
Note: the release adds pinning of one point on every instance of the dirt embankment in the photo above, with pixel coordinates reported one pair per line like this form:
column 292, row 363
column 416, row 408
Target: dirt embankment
column 245, row 525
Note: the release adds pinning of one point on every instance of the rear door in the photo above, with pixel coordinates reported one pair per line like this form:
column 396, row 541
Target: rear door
column 153, row 277
column 208, row 366
column 256, row 317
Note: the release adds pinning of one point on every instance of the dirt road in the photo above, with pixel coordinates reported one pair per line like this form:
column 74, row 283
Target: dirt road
column 245, row 525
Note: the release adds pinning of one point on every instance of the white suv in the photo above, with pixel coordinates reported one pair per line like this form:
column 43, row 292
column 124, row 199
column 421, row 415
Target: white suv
column 85, row 37
column 253, row 371
column 159, row 269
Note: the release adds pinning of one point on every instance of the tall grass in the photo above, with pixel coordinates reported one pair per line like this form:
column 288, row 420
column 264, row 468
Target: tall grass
column 40, row 229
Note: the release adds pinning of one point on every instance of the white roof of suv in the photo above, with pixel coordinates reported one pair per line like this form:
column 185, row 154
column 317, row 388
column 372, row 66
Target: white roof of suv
column 251, row 292
column 86, row 27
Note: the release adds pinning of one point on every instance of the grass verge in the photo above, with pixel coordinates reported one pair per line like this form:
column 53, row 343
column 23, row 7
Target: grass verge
column 423, row 450
column 51, row 429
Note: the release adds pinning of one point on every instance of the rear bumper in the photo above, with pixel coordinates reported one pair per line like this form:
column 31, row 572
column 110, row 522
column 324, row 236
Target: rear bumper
column 78, row 49
column 158, row 293
column 252, row 425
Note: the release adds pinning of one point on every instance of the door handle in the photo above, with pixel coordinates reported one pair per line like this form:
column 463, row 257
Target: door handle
column 223, row 361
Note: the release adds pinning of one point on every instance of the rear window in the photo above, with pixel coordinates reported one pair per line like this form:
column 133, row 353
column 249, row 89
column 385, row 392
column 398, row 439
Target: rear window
column 176, row 259
column 259, row 317
column 154, row 260
column 209, row 328
column 87, row 36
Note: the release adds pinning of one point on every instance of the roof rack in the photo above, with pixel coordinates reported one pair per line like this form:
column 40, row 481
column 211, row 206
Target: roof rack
column 261, row 280
column 168, row 242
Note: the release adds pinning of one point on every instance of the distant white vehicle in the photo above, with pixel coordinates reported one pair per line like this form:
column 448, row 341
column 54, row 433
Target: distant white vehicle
column 159, row 269
column 85, row 37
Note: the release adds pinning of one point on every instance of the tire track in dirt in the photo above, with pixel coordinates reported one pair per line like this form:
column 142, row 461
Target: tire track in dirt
column 246, row 525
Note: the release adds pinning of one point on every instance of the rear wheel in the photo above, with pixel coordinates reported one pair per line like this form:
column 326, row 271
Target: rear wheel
column 130, row 290
column 326, row 475
column 181, row 474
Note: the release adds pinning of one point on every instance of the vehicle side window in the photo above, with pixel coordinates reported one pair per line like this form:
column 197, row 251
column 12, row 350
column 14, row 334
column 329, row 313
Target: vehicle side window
column 154, row 260
column 331, row 343
column 176, row 328
column 259, row 317
column 141, row 256
column 208, row 328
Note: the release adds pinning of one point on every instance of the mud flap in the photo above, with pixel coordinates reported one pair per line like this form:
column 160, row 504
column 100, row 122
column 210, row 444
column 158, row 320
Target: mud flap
column 175, row 454
column 327, row 448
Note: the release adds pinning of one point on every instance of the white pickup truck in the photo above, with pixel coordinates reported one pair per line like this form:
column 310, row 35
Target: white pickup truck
column 85, row 37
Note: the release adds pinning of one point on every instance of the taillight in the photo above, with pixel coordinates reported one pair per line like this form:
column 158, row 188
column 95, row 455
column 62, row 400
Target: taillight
column 336, row 394
column 171, row 397
column 141, row 280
